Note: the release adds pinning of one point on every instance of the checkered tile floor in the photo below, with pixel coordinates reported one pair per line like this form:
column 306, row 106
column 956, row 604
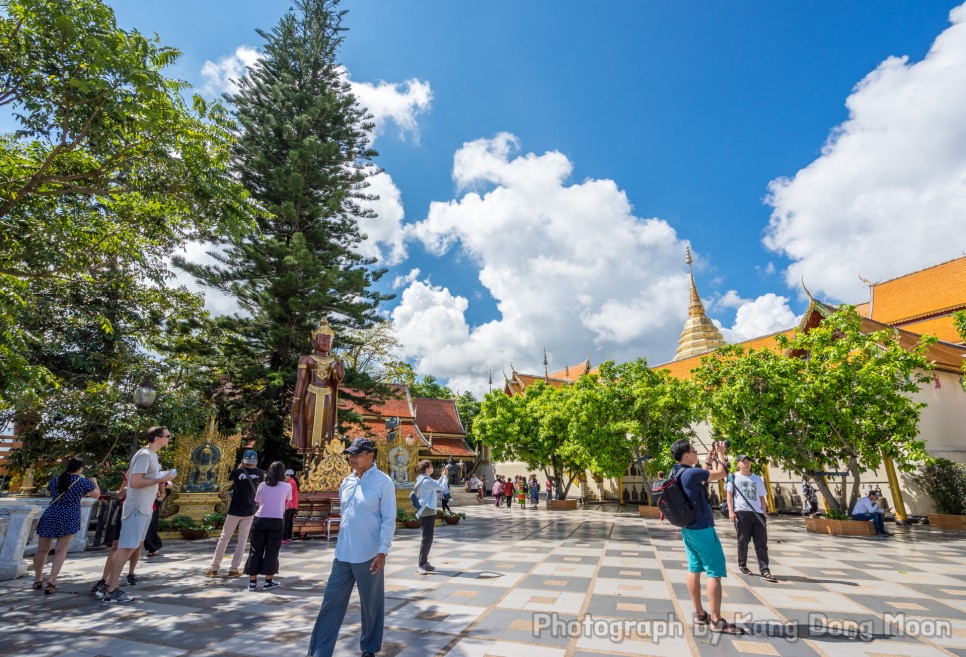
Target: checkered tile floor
column 526, row 583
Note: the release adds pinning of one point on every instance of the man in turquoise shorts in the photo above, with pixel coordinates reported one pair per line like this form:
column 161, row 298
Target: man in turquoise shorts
column 700, row 539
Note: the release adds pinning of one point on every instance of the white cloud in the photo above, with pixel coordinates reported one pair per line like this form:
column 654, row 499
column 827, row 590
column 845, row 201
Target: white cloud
column 385, row 239
column 889, row 189
column 401, row 281
column 216, row 301
column 570, row 267
column 397, row 102
column 223, row 76
column 767, row 314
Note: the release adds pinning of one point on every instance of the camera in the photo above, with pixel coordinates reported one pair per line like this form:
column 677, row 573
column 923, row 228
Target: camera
column 717, row 443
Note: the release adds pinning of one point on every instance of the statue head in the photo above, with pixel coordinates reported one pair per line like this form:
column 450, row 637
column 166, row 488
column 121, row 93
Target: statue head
column 322, row 337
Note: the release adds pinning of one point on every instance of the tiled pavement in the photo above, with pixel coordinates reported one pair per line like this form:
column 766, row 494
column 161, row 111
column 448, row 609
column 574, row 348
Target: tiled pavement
column 514, row 583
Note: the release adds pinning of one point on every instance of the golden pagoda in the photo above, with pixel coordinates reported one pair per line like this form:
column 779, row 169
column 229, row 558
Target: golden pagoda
column 700, row 334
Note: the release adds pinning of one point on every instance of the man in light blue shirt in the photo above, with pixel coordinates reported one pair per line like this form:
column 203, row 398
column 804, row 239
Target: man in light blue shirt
column 868, row 509
column 366, row 528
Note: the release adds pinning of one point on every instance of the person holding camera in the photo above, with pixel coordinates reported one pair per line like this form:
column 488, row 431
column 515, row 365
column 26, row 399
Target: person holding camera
column 701, row 543
column 746, row 508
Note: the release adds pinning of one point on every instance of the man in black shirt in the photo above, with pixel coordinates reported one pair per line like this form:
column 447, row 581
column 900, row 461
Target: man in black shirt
column 241, row 512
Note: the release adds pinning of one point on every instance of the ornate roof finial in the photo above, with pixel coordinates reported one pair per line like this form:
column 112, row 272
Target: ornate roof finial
column 810, row 297
column 687, row 255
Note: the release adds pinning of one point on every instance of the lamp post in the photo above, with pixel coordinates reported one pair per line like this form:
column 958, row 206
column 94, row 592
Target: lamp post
column 144, row 396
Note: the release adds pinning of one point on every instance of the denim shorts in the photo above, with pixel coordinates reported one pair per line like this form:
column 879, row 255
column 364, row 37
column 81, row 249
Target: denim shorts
column 704, row 550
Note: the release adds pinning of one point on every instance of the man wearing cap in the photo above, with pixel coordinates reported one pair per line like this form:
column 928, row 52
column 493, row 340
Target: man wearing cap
column 241, row 511
column 868, row 508
column 747, row 497
column 367, row 525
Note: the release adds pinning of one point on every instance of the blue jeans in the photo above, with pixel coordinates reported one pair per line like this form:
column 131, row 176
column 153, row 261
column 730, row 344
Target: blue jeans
column 876, row 519
column 336, row 600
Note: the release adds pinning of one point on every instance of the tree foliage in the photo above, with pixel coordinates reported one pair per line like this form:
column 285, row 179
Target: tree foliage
column 303, row 155
column 109, row 171
column 832, row 397
column 959, row 321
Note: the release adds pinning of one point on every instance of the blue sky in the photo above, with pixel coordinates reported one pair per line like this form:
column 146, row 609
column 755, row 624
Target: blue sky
column 546, row 161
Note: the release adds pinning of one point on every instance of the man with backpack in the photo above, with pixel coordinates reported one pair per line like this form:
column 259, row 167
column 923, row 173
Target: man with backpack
column 746, row 508
column 692, row 512
column 241, row 512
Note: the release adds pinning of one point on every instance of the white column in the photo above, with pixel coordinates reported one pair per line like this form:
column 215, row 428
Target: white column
column 21, row 521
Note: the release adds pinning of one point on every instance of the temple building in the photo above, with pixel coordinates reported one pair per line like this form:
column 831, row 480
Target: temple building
column 916, row 304
column 433, row 423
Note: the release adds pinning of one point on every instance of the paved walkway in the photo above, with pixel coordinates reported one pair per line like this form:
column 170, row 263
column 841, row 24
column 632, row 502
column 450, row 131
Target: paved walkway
column 515, row 583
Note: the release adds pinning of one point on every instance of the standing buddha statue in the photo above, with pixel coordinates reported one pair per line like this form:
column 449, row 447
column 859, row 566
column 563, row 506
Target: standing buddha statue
column 316, row 393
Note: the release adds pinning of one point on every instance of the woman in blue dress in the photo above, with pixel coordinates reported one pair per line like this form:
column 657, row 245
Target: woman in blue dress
column 61, row 520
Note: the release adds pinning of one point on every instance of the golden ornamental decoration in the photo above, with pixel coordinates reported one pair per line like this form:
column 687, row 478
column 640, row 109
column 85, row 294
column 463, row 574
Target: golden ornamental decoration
column 326, row 472
column 323, row 328
column 399, row 459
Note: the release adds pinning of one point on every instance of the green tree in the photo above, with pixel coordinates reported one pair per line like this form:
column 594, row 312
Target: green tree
column 830, row 397
column 303, row 154
column 430, row 387
column 468, row 407
column 109, row 170
column 959, row 321
column 535, row 428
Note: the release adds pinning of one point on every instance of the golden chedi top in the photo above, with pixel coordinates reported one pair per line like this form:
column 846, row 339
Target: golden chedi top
column 700, row 334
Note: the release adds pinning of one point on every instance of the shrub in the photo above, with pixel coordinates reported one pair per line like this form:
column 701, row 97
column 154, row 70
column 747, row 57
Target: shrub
column 945, row 482
column 182, row 522
column 214, row 520
column 402, row 515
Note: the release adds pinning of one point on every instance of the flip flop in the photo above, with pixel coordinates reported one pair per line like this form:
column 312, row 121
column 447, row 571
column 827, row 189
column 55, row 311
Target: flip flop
column 768, row 577
column 744, row 570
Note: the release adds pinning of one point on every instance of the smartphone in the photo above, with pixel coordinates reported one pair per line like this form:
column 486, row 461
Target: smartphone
column 174, row 471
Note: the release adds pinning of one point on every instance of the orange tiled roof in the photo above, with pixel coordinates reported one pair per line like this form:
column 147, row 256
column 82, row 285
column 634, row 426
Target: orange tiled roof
column 681, row 369
column 941, row 327
column 438, row 416
column 572, row 372
column 451, row 447
column 375, row 429
column 397, row 406
column 921, row 293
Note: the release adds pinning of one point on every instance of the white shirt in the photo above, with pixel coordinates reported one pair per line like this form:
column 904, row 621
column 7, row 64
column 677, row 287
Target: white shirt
column 866, row 505
column 368, row 520
column 752, row 487
column 474, row 483
column 142, row 500
column 428, row 490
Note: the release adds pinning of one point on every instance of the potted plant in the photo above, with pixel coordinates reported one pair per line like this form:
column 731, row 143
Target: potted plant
column 214, row 520
column 839, row 524
column 450, row 517
column 189, row 528
column 407, row 518
column 945, row 482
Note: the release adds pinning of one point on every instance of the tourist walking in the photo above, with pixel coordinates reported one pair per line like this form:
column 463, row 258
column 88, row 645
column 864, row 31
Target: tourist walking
column 245, row 480
column 508, row 492
column 143, row 478
column 61, row 520
column 521, row 490
column 427, row 490
column 498, row 490
column 700, row 539
column 292, row 507
column 534, row 489
column 549, row 491
column 272, row 497
column 368, row 498
column 444, row 495
column 746, row 507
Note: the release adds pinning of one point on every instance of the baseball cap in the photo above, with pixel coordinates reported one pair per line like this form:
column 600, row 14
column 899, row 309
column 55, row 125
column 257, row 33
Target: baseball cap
column 742, row 457
column 290, row 473
column 874, row 492
column 360, row 445
column 250, row 456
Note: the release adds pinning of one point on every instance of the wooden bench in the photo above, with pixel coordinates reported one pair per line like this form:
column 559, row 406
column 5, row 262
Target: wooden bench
column 314, row 513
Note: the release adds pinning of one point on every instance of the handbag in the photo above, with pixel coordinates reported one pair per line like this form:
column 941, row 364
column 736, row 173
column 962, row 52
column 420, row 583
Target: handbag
column 65, row 492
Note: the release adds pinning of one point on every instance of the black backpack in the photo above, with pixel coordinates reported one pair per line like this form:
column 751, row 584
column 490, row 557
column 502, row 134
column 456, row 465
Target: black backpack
column 673, row 501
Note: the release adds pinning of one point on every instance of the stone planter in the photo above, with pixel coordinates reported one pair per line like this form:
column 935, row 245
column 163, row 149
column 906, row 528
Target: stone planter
column 411, row 524
column 840, row 527
column 562, row 505
column 170, row 534
column 193, row 534
column 650, row 512
column 451, row 520
column 948, row 522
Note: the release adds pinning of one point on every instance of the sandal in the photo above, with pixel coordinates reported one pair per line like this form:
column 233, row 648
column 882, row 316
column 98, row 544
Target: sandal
column 724, row 627
column 768, row 577
column 702, row 619
column 744, row 570
column 51, row 588
column 38, row 585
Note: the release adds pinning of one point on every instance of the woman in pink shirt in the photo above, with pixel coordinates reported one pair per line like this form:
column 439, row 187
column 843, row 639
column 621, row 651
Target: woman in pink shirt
column 272, row 496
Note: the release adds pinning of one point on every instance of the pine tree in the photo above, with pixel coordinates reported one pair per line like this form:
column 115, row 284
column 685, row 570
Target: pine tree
column 303, row 154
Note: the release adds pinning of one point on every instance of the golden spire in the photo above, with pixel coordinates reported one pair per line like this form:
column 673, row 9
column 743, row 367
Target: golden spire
column 700, row 334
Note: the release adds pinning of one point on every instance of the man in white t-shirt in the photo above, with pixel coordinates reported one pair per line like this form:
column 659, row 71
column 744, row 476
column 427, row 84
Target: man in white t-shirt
column 143, row 477
column 747, row 501
column 473, row 483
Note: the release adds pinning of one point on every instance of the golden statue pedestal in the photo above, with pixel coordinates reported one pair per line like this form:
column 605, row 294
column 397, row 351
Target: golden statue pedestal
column 197, row 505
